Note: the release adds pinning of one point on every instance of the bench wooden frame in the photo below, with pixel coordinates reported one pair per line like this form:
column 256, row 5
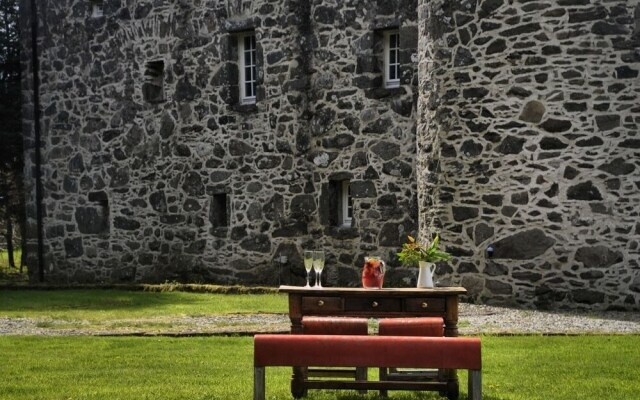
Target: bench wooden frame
column 313, row 325
column 411, row 326
column 368, row 351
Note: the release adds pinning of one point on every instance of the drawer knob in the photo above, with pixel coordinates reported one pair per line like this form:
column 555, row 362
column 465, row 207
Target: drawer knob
column 425, row 304
column 320, row 303
column 374, row 304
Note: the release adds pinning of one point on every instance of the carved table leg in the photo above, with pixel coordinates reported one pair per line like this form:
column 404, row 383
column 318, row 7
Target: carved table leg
column 298, row 389
column 451, row 330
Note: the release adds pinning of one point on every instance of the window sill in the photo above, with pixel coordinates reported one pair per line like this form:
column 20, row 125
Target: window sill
column 342, row 232
column 221, row 231
column 381, row 92
column 245, row 108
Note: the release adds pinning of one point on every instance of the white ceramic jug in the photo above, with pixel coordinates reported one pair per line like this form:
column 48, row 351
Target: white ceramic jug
column 425, row 274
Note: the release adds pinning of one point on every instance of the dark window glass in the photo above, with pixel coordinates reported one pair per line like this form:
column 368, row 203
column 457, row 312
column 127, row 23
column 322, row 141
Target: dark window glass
column 219, row 216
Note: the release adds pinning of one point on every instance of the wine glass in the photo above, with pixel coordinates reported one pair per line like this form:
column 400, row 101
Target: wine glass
column 308, row 264
column 318, row 265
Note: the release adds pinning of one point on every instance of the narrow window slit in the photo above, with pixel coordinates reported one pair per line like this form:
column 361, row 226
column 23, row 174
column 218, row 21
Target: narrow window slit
column 152, row 88
column 219, row 215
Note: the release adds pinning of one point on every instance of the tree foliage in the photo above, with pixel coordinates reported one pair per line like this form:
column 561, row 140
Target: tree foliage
column 11, row 161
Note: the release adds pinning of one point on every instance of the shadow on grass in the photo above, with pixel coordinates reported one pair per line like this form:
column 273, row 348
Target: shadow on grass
column 90, row 300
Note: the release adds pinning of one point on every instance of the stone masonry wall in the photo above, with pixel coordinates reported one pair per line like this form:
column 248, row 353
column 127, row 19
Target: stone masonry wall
column 526, row 125
column 134, row 186
column 528, row 140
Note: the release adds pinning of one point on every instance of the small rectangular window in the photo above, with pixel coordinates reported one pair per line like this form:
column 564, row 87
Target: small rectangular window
column 219, row 216
column 152, row 88
column 346, row 204
column 392, row 59
column 96, row 9
column 336, row 205
column 248, row 67
column 99, row 223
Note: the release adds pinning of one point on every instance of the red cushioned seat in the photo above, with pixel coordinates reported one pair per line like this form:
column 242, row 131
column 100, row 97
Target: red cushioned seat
column 419, row 326
column 423, row 326
column 367, row 351
column 334, row 326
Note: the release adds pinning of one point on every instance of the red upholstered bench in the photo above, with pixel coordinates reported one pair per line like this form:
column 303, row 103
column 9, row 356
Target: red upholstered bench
column 367, row 351
column 422, row 326
column 336, row 326
column 418, row 326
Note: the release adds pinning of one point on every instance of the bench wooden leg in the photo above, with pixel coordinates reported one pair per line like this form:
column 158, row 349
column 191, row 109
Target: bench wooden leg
column 382, row 373
column 475, row 385
column 298, row 389
column 258, row 383
column 362, row 375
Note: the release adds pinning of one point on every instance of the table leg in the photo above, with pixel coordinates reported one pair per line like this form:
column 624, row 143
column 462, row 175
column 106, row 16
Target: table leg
column 451, row 330
column 298, row 389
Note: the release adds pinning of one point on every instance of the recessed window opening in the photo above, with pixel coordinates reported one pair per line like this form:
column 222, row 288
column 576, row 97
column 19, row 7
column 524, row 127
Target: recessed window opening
column 101, row 222
column 345, row 216
column 219, row 216
column 248, row 70
column 96, row 9
column 391, row 59
column 153, row 91
column 336, row 205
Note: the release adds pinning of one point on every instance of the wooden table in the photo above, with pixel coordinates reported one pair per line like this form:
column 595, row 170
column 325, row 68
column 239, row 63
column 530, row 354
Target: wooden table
column 375, row 303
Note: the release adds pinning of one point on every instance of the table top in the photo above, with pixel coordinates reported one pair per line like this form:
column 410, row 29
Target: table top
column 323, row 291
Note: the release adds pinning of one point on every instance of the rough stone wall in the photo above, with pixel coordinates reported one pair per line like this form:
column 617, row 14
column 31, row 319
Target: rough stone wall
column 132, row 187
column 528, row 140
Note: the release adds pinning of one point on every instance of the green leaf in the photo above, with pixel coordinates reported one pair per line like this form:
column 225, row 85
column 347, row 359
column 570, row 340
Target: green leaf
column 412, row 252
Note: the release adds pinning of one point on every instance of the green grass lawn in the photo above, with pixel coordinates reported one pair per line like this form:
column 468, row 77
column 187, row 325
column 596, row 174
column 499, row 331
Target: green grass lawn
column 126, row 312
column 514, row 368
column 133, row 368
column 103, row 305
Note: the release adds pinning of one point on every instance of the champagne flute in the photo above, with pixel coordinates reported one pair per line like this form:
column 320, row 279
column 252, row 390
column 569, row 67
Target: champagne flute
column 318, row 265
column 308, row 264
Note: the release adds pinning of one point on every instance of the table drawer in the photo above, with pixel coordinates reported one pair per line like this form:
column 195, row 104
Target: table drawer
column 321, row 304
column 426, row 305
column 372, row 304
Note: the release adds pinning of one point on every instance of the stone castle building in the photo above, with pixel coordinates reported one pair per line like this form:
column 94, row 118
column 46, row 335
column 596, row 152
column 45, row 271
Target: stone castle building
column 214, row 140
